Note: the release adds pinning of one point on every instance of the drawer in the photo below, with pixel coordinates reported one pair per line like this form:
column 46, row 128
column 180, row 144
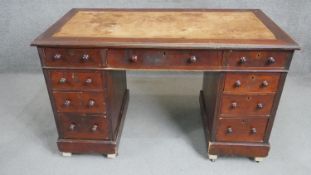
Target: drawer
column 76, row 80
column 59, row 57
column 84, row 102
column 257, row 59
column 83, row 127
column 241, row 130
column 164, row 59
column 251, row 82
column 246, row 104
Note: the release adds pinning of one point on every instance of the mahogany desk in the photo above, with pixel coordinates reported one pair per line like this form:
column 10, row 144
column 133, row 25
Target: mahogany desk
column 243, row 54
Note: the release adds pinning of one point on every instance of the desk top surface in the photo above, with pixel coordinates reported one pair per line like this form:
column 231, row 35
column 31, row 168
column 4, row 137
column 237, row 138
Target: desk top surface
column 170, row 28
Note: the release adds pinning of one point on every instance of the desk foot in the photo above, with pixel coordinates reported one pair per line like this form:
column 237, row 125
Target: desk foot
column 258, row 159
column 66, row 154
column 111, row 156
column 212, row 157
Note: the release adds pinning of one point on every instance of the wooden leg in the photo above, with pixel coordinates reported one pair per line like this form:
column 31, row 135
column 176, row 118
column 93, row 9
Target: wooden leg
column 111, row 156
column 259, row 159
column 212, row 157
column 66, row 154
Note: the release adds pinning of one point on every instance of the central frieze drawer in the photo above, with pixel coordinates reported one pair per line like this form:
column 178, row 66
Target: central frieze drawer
column 164, row 59
column 84, row 102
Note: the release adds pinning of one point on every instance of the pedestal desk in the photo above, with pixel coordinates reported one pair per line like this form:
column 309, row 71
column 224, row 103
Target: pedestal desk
column 243, row 55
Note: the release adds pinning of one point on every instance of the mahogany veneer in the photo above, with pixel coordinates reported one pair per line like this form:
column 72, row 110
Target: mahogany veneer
column 73, row 126
column 241, row 130
column 76, row 80
column 251, row 82
column 244, row 55
column 246, row 104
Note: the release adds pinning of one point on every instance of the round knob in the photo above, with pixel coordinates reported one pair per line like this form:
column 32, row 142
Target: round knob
column 67, row 103
column 234, row 105
column 72, row 126
column 229, row 130
column 253, row 131
column 193, row 59
column 134, row 58
column 88, row 81
column 62, row 80
column 85, row 57
column 237, row 83
column 94, row 128
column 242, row 60
column 265, row 83
column 271, row 60
column 91, row 103
column 57, row 56
column 259, row 106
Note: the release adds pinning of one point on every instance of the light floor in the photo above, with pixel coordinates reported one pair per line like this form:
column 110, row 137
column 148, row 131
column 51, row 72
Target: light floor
column 162, row 134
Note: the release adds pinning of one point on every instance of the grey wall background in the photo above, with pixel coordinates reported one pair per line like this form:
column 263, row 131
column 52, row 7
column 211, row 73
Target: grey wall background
column 22, row 20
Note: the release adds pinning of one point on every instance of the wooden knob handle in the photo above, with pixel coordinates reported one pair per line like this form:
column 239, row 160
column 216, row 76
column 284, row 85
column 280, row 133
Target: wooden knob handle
column 72, row 126
column 253, row 131
column 134, row 58
column 85, row 57
column 234, row 105
column 237, row 83
column 91, row 103
column 270, row 60
column 88, row 81
column 242, row 60
column 67, row 103
column 62, row 80
column 259, row 106
column 57, row 56
column 265, row 83
column 193, row 59
column 229, row 130
column 94, row 128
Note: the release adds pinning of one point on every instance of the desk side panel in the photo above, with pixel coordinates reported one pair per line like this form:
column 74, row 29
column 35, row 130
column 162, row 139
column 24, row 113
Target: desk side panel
column 211, row 91
column 116, row 88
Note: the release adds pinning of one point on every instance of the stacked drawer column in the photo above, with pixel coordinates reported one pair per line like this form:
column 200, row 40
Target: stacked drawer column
column 88, row 102
column 239, row 105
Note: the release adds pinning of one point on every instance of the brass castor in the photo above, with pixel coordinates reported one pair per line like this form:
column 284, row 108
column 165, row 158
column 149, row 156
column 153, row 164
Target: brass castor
column 258, row 159
column 212, row 157
column 111, row 156
column 66, row 154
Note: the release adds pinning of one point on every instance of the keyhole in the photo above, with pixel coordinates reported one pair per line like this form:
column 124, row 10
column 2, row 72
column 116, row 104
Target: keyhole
column 248, row 98
column 252, row 77
column 164, row 53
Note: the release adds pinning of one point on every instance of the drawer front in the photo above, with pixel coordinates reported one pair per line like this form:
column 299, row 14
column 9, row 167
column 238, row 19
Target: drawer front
column 83, row 127
column 76, row 80
column 251, row 82
column 246, row 104
column 84, row 102
column 163, row 59
column 259, row 59
column 58, row 57
column 241, row 130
